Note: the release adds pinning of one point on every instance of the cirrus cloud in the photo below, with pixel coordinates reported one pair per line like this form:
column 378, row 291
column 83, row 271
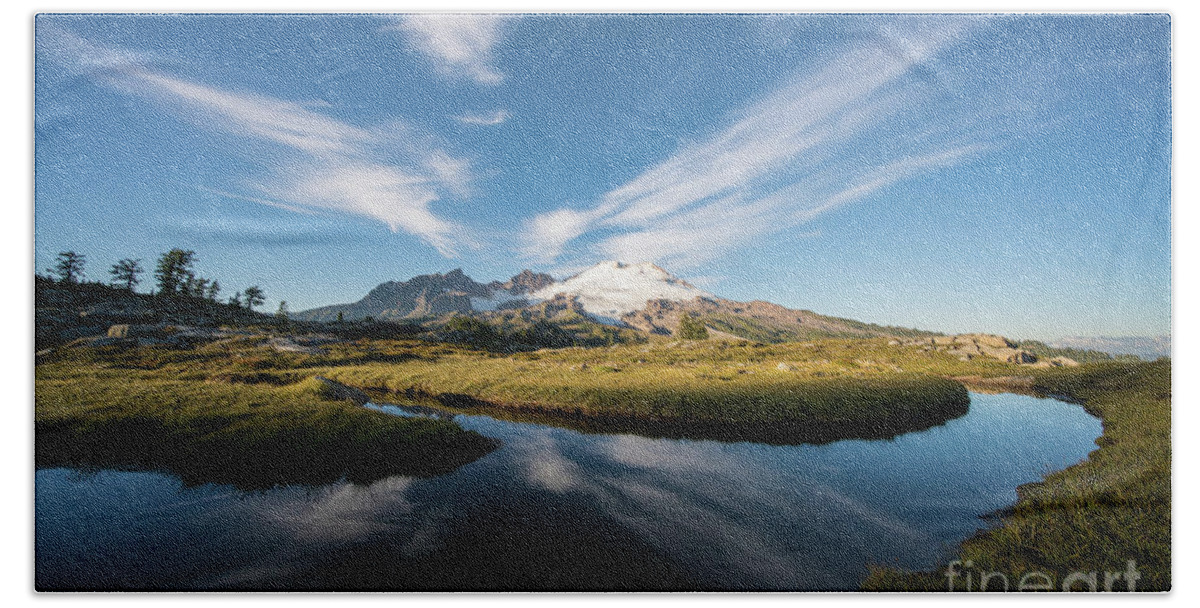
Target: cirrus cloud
column 458, row 45
column 312, row 161
column 811, row 146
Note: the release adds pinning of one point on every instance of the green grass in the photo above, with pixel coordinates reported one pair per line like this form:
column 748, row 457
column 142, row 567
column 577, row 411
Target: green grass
column 722, row 390
column 731, row 391
column 236, row 411
column 1094, row 516
column 252, row 435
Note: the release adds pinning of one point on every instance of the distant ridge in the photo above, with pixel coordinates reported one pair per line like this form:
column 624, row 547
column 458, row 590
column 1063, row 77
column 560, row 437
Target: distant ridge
column 427, row 296
column 641, row 296
column 1149, row 347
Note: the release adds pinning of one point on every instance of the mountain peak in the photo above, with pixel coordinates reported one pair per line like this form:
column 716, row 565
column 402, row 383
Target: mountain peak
column 612, row 288
column 527, row 281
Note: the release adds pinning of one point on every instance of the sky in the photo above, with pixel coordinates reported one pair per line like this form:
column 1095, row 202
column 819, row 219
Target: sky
column 999, row 173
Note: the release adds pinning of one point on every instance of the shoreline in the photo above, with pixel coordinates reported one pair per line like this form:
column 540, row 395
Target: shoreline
column 776, row 431
column 1120, row 518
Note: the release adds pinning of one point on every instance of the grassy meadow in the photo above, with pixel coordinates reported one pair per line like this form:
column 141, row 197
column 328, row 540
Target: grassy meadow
column 238, row 411
column 793, row 389
column 151, row 409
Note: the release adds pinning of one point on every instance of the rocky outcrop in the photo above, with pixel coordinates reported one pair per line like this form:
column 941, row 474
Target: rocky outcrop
column 987, row 340
column 524, row 282
column 63, row 313
column 970, row 346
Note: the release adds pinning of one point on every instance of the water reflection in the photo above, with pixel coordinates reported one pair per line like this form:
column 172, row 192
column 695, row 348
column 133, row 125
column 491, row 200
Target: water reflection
column 554, row 508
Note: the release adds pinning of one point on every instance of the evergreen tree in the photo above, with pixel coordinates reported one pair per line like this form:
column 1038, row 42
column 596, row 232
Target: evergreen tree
column 69, row 267
column 254, row 296
column 691, row 329
column 125, row 273
column 198, row 288
column 471, row 331
column 174, row 272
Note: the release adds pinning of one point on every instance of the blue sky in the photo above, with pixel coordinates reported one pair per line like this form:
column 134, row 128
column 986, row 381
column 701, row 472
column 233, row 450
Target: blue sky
column 1008, row 174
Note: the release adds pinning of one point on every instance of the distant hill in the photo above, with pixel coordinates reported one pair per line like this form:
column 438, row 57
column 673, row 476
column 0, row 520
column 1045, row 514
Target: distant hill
column 64, row 312
column 1148, row 348
column 759, row 321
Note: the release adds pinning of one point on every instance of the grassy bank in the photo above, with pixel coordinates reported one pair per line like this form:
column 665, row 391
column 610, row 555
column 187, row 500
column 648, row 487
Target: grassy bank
column 804, row 392
column 779, row 394
column 95, row 415
column 1096, row 516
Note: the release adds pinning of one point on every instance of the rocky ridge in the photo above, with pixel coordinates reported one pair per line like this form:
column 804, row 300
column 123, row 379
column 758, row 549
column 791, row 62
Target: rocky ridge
column 970, row 346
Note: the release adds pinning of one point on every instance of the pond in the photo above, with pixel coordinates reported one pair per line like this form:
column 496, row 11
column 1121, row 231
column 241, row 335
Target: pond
column 554, row 508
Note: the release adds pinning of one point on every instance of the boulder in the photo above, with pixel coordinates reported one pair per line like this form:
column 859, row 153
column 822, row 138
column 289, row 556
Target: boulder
column 288, row 345
column 989, row 340
column 965, row 349
column 1014, row 355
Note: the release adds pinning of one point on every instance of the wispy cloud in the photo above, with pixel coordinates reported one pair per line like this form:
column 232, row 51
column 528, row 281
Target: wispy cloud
column 386, row 193
column 256, row 199
column 458, row 45
column 317, row 162
column 282, row 122
column 810, row 147
column 495, row 118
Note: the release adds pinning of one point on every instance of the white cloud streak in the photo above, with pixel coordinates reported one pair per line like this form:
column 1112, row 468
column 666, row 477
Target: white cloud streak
column 458, row 45
column 810, row 147
column 256, row 199
column 279, row 121
column 495, row 118
column 318, row 162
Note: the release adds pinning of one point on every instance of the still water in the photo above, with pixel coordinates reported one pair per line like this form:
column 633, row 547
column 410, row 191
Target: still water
column 557, row 509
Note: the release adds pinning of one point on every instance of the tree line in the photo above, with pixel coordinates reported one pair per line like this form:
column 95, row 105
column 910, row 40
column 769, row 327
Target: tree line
column 174, row 275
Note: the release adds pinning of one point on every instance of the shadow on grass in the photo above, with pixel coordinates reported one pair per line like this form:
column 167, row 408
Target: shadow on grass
column 262, row 449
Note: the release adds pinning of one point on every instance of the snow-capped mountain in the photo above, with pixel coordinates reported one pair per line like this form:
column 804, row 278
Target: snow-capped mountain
column 638, row 296
column 610, row 290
